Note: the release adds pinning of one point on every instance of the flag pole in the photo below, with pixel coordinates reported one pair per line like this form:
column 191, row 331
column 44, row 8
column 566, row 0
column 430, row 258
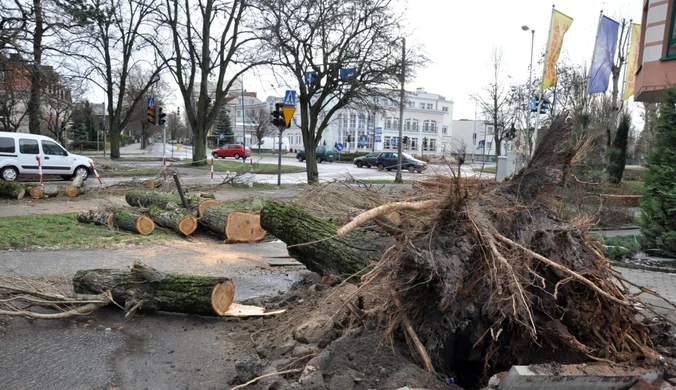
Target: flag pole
column 589, row 75
column 544, row 70
column 626, row 60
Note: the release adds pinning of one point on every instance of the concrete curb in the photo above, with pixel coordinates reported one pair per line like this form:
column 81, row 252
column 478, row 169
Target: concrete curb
column 621, row 264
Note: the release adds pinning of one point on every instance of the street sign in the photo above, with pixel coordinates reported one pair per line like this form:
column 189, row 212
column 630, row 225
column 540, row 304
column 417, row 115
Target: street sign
column 221, row 136
column 151, row 101
column 339, row 147
column 363, row 140
column 370, row 128
column 290, row 99
column 393, row 141
column 481, row 144
column 378, row 136
column 288, row 113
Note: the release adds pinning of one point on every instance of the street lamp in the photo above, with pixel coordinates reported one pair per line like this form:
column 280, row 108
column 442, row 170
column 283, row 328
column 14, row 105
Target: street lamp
column 402, row 95
column 530, row 83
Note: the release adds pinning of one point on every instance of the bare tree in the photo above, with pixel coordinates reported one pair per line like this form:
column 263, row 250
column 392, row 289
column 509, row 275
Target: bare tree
column 13, row 21
column 207, row 41
column 14, row 93
column 337, row 52
column 116, row 41
column 260, row 123
column 58, row 104
column 495, row 99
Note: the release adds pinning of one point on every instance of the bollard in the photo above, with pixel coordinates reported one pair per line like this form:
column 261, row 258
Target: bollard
column 97, row 174
column 212, row 170
column 40, row 169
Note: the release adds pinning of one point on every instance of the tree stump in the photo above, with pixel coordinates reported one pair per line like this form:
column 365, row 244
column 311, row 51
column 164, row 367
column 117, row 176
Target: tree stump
column 179, row 220
column 133, row 222
column 12, row 190
column 324, row 252
column 45, row 191
column 77, row 187
column 244, row 226
column 96, row 217
column 144, row 288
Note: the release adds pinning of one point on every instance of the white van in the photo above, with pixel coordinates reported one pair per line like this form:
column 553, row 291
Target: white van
column 19, row 154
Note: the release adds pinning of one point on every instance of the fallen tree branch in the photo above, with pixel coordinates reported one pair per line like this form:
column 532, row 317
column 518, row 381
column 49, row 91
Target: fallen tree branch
column 384, row 209
column 82, row 310
column 561, row 268
column 254, row 380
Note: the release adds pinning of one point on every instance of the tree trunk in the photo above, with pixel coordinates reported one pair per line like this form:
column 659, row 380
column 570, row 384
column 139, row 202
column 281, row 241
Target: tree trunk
column 96, row 217
column 133, row 222
column 216, row 217
column 76, row 188
column 145, row 288
column 324, row 253
column 138, row 198
column 206, row 204
column 36, row 71
column 12, row 190
column 179, row 220
column 244, row 226
column 46, row 191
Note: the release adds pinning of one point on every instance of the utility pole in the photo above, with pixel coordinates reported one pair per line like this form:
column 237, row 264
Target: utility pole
column 402, row 95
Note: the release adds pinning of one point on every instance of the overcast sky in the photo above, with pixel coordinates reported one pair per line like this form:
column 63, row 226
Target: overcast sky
column 458, row 37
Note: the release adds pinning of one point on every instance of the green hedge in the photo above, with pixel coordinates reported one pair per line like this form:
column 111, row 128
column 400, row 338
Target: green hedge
column 85, row 145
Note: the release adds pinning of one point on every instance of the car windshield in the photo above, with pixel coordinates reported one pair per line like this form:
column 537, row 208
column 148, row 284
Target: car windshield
column 372, row 155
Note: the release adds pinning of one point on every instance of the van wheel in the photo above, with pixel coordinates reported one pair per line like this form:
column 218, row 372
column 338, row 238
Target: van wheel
column 411, row 168
column 9, row 173
column 82, row 171
column 236, row 156
column 381, row 167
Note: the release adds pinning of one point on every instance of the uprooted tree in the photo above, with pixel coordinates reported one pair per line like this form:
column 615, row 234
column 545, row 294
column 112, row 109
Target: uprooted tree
column 488, row 277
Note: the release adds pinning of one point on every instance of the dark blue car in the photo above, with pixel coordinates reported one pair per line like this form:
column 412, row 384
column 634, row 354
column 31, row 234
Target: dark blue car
column 388, row 160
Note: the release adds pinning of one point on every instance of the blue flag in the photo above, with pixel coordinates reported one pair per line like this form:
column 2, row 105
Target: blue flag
column 604, row 51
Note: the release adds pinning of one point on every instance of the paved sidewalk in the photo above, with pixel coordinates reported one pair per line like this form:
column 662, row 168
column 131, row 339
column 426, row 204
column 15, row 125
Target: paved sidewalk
column 661, row 282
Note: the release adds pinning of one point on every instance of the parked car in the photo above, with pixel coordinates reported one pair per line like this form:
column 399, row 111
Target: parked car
column 388, row 160
column 19, row 154
column 367, row 161
column 231, row 150
column 323, row 153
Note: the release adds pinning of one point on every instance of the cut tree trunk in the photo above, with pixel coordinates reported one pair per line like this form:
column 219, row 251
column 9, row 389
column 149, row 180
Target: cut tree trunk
column 179, row 220
column 77, row 187
column 314, row 241
column 144, row 288
column 12, row 190
column 156, row 182
column 244, row 226
column 216, row 217
column 46, row 191
column 201, row 209
column 133, row 222
column 96, row 217
column 163, row 200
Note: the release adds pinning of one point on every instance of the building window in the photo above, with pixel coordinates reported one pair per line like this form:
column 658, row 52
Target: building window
column 432, row 144
column 388, row 123
column 671, row 42
column 353, row 121
column 426, row 125
column 489, row 130
column 362, row 121
column 433, row 126
column 422, row 106
column 395, row 123
column 413, row 142
column 407, row 125
column 430, row 106
column 444, row 129
column 410, row 104
column 340, row 120
column 386, row 142
column 444, row 109
column 344, row 124
column 415, row 125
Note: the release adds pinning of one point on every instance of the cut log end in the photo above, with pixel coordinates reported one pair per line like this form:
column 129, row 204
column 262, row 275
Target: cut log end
column 188, row 225
column 206, row 204
column 244, row 226
column 20, row 194
column 222, row 296
column 145, row 225
column 72, row 191
column 36, row 192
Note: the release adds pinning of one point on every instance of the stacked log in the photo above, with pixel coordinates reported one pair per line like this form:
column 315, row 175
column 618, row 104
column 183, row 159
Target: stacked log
column 44, row 191
column 139, row 198
column 121, row 219
column 96, row 217
column 144, row 288
column 235, row 221
column 12, row 190
column 177, row 219
column 77, row 187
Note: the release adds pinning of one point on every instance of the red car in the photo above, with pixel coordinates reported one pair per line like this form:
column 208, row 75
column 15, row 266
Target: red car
column 231, row 150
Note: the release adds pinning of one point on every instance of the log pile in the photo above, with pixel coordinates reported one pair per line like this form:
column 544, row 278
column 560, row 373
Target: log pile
column 44, row 191
column 121, row 219
column 12, row 190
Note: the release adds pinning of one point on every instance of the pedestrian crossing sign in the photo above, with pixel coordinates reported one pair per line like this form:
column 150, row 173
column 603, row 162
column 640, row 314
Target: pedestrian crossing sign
column 290, row 99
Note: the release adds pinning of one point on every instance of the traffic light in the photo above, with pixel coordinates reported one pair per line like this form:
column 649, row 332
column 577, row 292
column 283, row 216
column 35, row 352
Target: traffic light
column 278, row 116
column 63, row 127
column 510, row 134
column 349, row 138
column 161, row 116
column 151, row 115
column 545, row 106
column 425, row 142
column 405, row 140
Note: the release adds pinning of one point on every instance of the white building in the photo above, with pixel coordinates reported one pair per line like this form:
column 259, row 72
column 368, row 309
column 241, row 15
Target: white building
column 475, row 137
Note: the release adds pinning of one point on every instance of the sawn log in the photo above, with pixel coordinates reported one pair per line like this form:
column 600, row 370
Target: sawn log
column 314, row 242
column 216, row 217
column 163, row 200
column 45, row 191
column 179, row 220
column 77, row 187
column 144, row 288
column 133, row 222
column 12, row 190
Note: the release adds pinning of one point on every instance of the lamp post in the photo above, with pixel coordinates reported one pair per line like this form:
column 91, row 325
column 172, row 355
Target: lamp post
column 530, row 84
column 402, row 95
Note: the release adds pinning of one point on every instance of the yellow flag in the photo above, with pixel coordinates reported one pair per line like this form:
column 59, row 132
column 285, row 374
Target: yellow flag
column 560, row 24
column 632, row 62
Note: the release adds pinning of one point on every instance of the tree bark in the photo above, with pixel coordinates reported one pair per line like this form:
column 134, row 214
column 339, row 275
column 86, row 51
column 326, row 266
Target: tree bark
column 145, row 288
column 12, row 190
column 314, row 242
column 46, row 191
column 179, row 220
column 133, row 222
column 76, row 188
column 216, row 217
column 96, row 217
column 139, row 198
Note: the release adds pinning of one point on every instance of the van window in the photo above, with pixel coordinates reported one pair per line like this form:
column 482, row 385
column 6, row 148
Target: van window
column 53, row 149
column 7, row 145
column 28, row 146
